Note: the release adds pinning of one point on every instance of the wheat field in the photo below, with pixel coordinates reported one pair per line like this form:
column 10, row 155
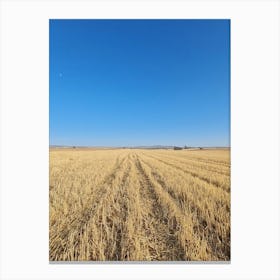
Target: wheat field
column 139, row 205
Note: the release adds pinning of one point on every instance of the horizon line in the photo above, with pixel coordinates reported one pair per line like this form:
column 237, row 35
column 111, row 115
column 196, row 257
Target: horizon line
column 133, row 146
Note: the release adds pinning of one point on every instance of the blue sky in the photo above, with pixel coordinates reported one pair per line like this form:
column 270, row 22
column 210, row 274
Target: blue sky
column 140, row 82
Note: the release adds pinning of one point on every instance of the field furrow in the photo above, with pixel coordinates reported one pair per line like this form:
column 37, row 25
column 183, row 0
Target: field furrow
column 202, row 165
column 160, row 232
column 180, row 225
column 67, row 237
column 205, row 213
column 139, row 205
column 217, row 181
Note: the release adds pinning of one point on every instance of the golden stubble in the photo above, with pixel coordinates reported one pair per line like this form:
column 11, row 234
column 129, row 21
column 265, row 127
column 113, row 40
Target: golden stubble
column 139, row 205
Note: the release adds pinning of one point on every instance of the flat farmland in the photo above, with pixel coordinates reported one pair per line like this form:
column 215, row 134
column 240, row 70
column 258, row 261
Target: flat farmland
column 139, row 205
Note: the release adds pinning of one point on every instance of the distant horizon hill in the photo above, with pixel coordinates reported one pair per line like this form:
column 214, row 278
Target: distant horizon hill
column 140, row 147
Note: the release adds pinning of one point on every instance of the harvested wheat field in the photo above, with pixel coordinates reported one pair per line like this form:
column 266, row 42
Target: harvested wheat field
column 139, row 205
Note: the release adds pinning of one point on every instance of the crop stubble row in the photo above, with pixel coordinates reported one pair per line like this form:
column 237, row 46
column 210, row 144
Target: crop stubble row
column 139, row 205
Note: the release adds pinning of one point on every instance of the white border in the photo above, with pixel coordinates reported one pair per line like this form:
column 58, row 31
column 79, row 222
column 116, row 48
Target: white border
column 254, row 137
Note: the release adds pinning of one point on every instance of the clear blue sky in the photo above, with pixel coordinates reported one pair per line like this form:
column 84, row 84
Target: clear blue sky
column 140, row 82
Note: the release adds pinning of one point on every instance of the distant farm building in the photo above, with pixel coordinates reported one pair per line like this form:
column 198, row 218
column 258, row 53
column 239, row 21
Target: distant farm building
column 178, row 148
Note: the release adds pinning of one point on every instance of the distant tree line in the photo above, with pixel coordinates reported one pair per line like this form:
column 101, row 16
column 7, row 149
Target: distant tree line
column 178, row 148
column 185, row 147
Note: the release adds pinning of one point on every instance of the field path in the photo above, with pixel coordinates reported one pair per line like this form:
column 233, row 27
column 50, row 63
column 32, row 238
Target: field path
column 163, row 243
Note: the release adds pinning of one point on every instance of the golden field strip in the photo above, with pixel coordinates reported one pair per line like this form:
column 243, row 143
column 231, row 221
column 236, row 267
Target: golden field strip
column 139, row 205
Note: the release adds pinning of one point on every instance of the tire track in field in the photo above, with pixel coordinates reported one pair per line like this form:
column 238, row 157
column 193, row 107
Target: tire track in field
column 200, row 159
column 58, row 242
column 195, row 175
column 212, row 161
column 160, row 179
column 202, row 228
column 109, row 219
column 192, row 162
column 122, row 202
column 164, row 244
